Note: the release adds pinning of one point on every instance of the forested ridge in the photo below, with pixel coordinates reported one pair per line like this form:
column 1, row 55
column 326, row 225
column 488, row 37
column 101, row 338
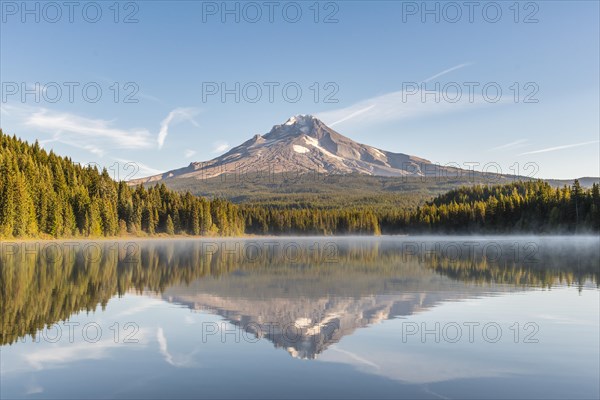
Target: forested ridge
column 524, row 207
column 529, row 207
column 45, row 195
column 42, row 194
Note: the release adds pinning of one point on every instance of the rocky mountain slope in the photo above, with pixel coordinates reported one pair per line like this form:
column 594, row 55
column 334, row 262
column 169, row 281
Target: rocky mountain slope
column 304, row 144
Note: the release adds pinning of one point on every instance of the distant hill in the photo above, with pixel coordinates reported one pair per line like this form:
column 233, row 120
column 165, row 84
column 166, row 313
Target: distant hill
column 323, row 191
column 586, row 181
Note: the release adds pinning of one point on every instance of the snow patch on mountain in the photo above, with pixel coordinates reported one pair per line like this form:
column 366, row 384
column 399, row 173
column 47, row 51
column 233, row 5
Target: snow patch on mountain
column 315, row 143
column 300, row 119
column 378, row 153
column 300, row 149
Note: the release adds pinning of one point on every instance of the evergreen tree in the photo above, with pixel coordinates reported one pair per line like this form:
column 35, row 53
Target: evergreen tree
column 170, row 229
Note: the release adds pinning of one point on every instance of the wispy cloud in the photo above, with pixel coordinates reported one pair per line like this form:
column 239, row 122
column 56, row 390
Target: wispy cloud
column 163, row 347
column 175, row 116
column 446, row 71
column 65, row 354
column 189, row 153
column 32, row 387
column 516, row 143
column 149, row 97
column 219, row 147
column 398, row 106
column 354, row 114
column 95, row 135
column 135, row 169
column 58, row 137
column 556, row 148
column 145, row 170
column 184, row 361
column 85, row 132
column 355, row 356
column 401, row 105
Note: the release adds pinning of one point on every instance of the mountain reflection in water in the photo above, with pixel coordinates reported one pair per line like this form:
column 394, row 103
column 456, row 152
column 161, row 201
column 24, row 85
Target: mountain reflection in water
column 302, row 294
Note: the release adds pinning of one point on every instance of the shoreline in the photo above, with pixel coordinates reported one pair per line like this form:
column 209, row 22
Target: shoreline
column 302, row 237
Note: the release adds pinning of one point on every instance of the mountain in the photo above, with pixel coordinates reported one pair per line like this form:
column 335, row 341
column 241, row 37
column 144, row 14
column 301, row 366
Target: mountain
column 306, row 310
column 304, row 163
column 306, row 327
column 304, row 144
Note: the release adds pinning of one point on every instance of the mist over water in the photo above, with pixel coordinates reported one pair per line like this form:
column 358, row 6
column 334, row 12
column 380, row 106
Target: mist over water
column 355, row 317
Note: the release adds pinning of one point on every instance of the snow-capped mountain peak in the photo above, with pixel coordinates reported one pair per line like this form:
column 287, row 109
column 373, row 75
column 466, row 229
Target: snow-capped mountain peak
column 300, row 119
column 303, row 143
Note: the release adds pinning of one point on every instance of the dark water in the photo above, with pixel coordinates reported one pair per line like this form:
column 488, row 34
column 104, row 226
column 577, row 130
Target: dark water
column 389, row 317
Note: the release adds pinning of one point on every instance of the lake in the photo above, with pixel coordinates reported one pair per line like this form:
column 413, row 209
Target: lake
column 351, row 317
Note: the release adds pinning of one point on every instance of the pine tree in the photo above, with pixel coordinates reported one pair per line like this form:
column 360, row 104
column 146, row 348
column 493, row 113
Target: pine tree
column 170, row 226
column 576, row 200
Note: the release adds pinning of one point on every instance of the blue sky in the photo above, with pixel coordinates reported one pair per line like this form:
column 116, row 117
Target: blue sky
column 371, row 62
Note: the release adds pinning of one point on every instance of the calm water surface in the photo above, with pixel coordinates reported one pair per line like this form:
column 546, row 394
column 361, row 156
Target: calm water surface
column 388, row 317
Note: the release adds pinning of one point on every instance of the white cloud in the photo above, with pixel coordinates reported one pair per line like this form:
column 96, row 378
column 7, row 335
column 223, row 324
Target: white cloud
column 516, row 143
column 163, row 347
column 355, row 356
column 175, row 116
column 556, row 148
column 446, row 71
column 33, row 388
column 85, row 146
column 5, row 109
column 60, row 354
column 424, row 368
column 95, row 135
column 401, row 105
column 183, row 361
column 219, row 147
column 135, row 169
column 189, row 153
column 354, row 114
column 149, row 97
column 88, row 133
